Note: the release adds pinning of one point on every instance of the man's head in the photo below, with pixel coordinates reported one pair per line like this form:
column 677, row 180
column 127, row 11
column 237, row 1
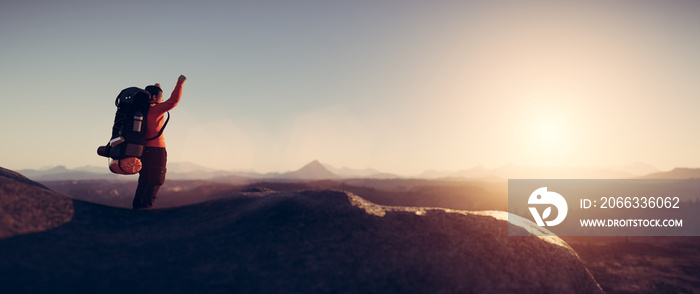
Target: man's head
column 155, row 92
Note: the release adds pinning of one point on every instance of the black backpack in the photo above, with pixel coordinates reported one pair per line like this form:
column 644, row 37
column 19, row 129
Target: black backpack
column 129, row 130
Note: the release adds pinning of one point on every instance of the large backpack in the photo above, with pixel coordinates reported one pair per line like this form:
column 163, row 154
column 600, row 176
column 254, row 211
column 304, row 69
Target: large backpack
column 128, row 133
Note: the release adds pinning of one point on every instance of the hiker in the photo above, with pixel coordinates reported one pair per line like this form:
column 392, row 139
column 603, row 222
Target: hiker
column 154, row 157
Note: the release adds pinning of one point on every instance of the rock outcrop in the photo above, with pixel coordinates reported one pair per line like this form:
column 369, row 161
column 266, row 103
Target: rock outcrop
column 272, row 242
column 26, row 206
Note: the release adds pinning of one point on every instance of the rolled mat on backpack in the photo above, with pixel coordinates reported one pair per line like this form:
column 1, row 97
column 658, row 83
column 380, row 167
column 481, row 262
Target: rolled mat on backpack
column 126, row 166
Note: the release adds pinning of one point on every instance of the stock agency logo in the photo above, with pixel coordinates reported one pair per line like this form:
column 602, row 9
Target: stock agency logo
column 542, row 196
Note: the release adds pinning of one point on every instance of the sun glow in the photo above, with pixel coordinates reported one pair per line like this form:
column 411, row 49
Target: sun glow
column 547, row 131
column 548, row 137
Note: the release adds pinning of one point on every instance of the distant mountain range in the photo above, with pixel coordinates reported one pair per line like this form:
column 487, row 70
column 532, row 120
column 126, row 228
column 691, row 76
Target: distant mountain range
column 512, row 171
column 60, row 173
column 316, row 170
column 676, row 173
column 189, row 171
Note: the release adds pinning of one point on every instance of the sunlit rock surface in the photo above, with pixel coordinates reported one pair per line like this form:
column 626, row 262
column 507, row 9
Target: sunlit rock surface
column 269, row 242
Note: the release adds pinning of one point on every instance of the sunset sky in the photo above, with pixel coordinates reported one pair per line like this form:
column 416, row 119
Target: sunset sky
column 400, row 86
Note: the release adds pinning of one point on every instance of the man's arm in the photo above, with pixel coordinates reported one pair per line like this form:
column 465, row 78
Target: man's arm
column 174, row 97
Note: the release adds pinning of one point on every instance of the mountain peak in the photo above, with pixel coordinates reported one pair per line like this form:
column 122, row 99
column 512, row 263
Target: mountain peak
column 314, row 164
column 313, row 171
column 59, row 168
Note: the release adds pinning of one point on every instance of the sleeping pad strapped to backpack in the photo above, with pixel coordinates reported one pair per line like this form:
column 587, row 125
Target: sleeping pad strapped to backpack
column 128, row 133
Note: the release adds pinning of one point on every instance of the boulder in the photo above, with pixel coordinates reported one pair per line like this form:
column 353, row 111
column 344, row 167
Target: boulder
column 26, row 206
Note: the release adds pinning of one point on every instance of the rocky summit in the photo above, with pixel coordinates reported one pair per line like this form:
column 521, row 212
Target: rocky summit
column 295, row 242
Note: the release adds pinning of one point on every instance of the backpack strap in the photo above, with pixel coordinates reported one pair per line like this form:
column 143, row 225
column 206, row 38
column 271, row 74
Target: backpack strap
column 160, row 133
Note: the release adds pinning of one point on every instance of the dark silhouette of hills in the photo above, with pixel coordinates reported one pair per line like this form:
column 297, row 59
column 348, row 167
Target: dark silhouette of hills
column 285, row 242
column 182, row 171
column 316, row 170
column 453, row 194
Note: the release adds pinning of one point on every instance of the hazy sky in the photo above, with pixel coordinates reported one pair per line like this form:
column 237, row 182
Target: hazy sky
column 400, row 86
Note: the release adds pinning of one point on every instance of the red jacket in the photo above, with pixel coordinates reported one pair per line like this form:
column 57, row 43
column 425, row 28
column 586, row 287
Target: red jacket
column 155, row 117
